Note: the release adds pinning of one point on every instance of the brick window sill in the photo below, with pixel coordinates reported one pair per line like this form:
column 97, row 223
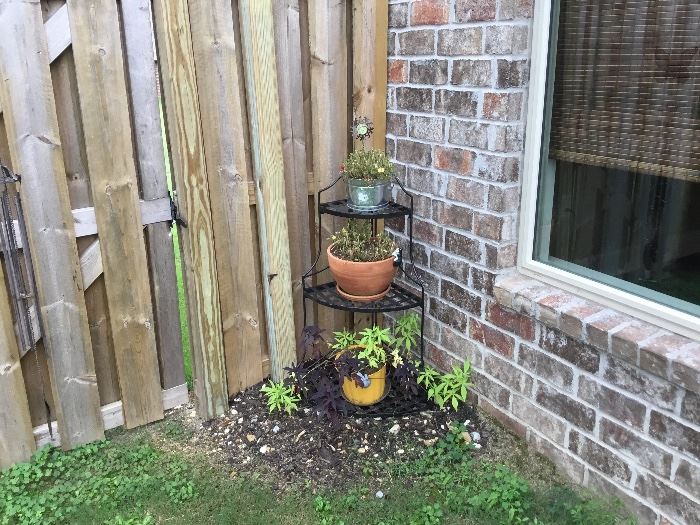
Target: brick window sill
column 662, row 353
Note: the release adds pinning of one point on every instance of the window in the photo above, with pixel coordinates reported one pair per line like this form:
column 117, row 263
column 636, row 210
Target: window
column 614, row 187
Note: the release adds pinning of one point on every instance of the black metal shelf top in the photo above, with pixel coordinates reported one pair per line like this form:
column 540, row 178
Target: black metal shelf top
column 340, row 208
column 396, row 300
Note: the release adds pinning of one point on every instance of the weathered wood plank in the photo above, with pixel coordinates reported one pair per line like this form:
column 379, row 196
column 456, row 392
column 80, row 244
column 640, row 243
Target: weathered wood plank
column 138, row 41
column 222, row 106
column 329, row 26
column 97, row 51
column 179, row 83
column 257, row 36
column 30, row 116
column 58, row 35
column 16, row 441
column 288, row 49
column 112, row 415
column 369, row 65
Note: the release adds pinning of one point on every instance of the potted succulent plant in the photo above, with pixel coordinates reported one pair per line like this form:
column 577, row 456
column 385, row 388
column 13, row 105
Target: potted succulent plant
column 367, row 174
column 362, row 264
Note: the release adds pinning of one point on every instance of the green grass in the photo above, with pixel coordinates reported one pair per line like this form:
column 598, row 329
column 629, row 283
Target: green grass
column 155, row 475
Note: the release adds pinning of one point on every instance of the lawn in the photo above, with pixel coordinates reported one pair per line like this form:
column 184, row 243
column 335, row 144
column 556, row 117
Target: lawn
column 171, row 472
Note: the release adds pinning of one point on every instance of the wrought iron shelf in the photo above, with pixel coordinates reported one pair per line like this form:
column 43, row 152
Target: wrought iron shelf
column 398, row 298
column 340, row 208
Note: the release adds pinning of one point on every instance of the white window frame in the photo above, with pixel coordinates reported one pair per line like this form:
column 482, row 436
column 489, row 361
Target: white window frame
column 634, row 305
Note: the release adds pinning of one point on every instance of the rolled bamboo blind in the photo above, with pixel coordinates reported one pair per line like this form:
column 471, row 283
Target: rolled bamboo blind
column 626, row 90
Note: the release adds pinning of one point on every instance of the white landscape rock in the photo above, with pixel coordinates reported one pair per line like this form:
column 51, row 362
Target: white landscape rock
column 264, row 449
column 395, row 429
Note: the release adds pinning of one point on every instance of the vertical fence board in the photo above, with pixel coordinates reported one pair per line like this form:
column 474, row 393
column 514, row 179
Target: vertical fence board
column 187, row 149
column 288, row 50
column 141, row 67
column 222, row 106
column 328, row 33
column 97, row 50
column 75, row 160
column 257, row 35
column 16, row 438
column 30, row 116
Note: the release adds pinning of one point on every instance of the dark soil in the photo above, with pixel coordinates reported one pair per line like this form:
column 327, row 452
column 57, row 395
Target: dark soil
column 306, row 449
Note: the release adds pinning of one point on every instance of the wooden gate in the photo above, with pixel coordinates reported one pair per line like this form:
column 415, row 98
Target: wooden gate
column 252, row 99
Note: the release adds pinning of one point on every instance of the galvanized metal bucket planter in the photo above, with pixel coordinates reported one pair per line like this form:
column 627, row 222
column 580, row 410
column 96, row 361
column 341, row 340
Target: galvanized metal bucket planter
column 368, row 195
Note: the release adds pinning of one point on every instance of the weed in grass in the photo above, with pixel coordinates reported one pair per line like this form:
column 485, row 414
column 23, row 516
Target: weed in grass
column 54, row 486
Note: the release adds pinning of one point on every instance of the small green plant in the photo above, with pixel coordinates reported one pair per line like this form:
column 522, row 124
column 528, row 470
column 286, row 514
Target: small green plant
column 368, row 165
column 344, row 339
column 450, row 389
column 507, row 494
column 281, row 397
column 374, row 342
column 355, row 242
column 406, row 331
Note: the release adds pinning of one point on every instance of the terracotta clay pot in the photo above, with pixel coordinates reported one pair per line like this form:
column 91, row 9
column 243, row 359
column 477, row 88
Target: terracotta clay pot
column 362, row 281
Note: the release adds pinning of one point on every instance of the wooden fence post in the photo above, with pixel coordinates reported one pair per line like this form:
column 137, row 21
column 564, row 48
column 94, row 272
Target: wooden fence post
column 257, row 35
column 138, row 40
column 370, row 24
column 330, row 109
column 288, row 51
column 16, row 438
column 222, row 105
column 97, row 50
column 30, row 115
column 187, row 152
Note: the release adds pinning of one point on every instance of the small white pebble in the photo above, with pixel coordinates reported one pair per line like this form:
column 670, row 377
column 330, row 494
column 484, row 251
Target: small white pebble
column 275, row 429
column 400, row 451
column 379, row 494
column 395, row 429
column 264, row 449
column 466, row 422
column 477, row 445
column 240, row 420
column 476, row 437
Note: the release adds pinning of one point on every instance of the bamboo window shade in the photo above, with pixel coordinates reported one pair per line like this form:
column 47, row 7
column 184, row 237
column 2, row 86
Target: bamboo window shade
column 626, row 91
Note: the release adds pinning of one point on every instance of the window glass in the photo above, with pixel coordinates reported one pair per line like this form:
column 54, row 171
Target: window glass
column 619, row 190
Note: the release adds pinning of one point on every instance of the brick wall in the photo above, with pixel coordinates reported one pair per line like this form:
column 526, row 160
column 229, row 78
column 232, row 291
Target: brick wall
column 611, row 400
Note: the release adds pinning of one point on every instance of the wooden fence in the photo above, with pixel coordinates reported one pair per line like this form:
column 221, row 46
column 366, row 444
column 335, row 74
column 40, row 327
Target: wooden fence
column 254, row 99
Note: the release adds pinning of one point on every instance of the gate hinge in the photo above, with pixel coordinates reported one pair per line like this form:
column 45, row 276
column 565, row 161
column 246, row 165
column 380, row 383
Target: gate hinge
column 175, row 217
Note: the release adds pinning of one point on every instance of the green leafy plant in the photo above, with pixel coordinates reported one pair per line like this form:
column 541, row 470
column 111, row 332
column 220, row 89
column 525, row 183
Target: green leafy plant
column 281, row 397
column 373, row 342
column 344, row 339
column 368, row 165
column 507, row 494
column 54, row 486
column 406, row 331
column 355, row 242
column 451, row 389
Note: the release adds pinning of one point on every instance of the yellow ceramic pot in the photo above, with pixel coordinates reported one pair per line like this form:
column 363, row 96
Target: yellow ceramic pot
column 360, row 396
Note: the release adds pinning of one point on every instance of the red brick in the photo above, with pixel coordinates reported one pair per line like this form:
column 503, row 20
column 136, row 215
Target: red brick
column 475, row 10
column 625, row 342
column 502, row 106
column 566, row 407
column 521, row 325
column 451, row 215
column 427, row 232
column 398, row 71
column 461, row 296
column 512, row 424
column 598, row 330
column 489, row 226
column 499, row 257
column 429, row 12
column 466, row 191
column 600, row 457
column 491, row 338
column 454, row 160
column 571, row 321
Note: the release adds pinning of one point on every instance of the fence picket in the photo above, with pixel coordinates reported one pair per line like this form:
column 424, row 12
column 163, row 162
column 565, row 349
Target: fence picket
column 224, row 128
column 257, row 37
column 138, row 40
column 30, row 116
column 189, row 166
column 97, row 50
column 16, row 439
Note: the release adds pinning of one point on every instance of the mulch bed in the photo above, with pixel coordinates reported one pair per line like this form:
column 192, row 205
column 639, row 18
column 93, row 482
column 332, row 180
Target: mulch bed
column 303, row 448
